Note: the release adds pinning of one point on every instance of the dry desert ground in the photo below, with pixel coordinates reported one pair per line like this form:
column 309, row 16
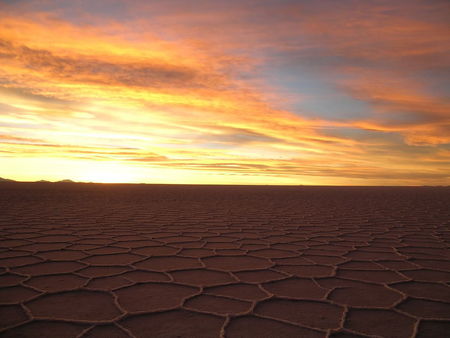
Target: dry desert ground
column 91, row 260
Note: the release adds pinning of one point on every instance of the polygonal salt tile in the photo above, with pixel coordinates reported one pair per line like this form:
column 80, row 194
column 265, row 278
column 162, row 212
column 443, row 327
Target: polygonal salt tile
column 84, row 246
column 156, row 251
column 196, row 253
column 44, row 247
column 136, row 244
column 368, row 295
column 306, row 271
column 296, row 288
column 355, row 265
column 107, row 283
column 220, row 239
column 75, row 305
column 236, row 263
column 383, row 276
column 337, row 251
column 427, row 309
column 113, row 259
column 48, row 268
column 56, row 232
column 244, row 234
column 259, row 276
column 426, row 275
column 218, row 305
column 438, row 252
column 55, row 283
column 289, row 247
column 273, row 253
column 161, row 234
column 315, row 314
column 218, row 245
column 398, row 265
column 325, row 260
column 11, row 315
column 100, row 236
column 176, row 323
column 322, row 236
column 21, row 230
column 230, row 252
column 240, row 291
column 95, row 241
column 116, row 231
column 145, row 276
column 14, row 253
column 245, row 240
column 188, row 245
column 108, row 250
column 202, row 277
column 249, row 326
column 252, row 247
column 62, row 255
column 46, row 329
column 19, row 261
column 103, row 271
column 21, row 236
column 384, row 323
column 12, row 243
column 153, row 296
column 168, row 263
column 432, row 264
column 377, row 248
column 281, row 239
column 345, row 334
column 10, row 279
column 199, row 233
column 307, row 243
column 362, row 240
column 16, row 294
column 327, row 253
column 106, row 331
column 336, row 282
column 374, row 256
column 129, row 238
column 434, row 291
column 433, row 329
column 292, row 261
column 178, row 239
column 55, row 239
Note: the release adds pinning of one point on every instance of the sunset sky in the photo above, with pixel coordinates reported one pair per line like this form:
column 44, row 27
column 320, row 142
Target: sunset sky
column 226, row 92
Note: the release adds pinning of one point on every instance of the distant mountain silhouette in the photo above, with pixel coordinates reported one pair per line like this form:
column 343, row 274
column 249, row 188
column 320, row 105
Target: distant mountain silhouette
column 6, row 180
column 65, row 181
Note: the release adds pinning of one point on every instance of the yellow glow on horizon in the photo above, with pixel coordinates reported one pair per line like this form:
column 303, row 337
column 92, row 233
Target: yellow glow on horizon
column 107, row 174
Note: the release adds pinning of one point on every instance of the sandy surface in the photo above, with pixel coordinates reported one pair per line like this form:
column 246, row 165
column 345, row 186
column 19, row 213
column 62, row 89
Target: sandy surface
column 81, row 260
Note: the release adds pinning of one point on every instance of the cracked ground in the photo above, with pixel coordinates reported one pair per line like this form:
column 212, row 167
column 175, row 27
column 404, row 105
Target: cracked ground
column 86, row 260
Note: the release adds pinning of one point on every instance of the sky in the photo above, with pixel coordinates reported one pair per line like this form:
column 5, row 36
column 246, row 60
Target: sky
column 284, row 92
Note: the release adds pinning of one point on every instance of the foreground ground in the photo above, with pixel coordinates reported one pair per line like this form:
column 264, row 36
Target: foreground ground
column 79, row 260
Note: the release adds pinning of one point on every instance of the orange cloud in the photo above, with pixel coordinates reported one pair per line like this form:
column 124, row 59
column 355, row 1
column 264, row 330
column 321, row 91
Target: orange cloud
column 197, row 100
column 196, row 89
column 402, row 106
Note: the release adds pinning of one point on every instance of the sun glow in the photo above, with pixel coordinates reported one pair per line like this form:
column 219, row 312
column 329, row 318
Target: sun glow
column 107, row 173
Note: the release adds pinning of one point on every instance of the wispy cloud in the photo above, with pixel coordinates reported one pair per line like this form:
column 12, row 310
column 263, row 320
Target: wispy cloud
column 185, row 86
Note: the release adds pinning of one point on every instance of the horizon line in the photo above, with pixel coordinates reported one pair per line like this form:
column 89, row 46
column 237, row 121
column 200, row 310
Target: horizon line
column 68, row 181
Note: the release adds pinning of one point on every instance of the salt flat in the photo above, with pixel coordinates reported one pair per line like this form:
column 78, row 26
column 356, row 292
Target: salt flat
column 88, row 260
